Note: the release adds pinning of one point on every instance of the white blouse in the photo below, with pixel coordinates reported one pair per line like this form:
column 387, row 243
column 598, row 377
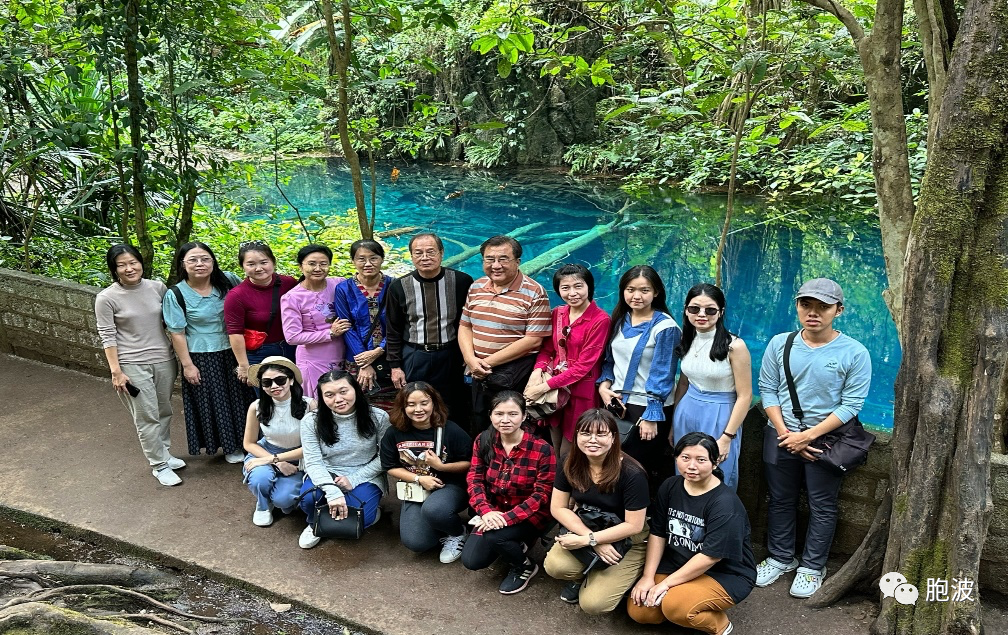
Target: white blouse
column 703, row 372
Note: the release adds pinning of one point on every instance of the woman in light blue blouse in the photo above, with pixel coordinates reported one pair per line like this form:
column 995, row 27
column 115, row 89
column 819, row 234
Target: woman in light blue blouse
column 638, row 373
column 361, row 299
column 213, row 398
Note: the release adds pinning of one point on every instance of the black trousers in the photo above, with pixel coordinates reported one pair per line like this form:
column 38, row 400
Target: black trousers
column 443, row 370
column 654, row 455
column 482, row 550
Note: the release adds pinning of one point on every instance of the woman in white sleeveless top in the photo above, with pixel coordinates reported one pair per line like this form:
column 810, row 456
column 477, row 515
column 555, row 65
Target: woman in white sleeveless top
column 715, row 383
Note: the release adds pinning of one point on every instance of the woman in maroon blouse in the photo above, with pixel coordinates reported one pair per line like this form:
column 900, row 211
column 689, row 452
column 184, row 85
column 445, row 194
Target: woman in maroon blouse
column 252, row 308
column 572, row 357
column 510, row 482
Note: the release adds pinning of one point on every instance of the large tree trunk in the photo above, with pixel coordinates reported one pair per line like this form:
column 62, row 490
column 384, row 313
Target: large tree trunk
column 880, row 58
column 135, row 104
column 951, row 383
column 339, row 65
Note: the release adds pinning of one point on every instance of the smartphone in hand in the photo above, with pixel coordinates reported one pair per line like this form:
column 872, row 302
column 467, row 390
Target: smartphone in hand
column 132, row 390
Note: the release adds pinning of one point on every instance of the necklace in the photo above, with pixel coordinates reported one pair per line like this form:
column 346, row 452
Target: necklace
column 696, row 349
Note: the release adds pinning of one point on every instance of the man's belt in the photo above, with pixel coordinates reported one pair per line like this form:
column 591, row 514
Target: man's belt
column 430, row 347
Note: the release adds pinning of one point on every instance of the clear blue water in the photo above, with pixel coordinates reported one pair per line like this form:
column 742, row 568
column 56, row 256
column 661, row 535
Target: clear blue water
column 765, row 262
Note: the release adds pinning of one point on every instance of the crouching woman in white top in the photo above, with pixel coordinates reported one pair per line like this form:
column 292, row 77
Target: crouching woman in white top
column 341, row 453
column 273, row 437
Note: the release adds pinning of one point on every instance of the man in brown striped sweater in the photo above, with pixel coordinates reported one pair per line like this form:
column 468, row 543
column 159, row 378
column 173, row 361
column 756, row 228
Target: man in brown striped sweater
column 422, row 317
column 505, row 318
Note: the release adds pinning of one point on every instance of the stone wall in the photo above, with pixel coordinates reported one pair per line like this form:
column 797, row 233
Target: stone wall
column 51, row 321
column 859, row 498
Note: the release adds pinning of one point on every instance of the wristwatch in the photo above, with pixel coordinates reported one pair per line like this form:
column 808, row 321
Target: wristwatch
column 591, row 540
column 276, row 459
column 416, row 479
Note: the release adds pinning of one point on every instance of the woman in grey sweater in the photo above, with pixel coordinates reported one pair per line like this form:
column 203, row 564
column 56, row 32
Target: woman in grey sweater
column 341, row 453
column 128, row 315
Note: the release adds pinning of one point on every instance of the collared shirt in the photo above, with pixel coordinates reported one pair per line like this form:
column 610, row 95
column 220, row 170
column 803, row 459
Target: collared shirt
column 518, row 484
column 424, row 310
column 499, row 319
column 203, row 318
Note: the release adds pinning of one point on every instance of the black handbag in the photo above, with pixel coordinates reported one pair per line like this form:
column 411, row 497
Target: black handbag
column 513, row 375
column 844, row 448
column 596, row 520
column 325, row 526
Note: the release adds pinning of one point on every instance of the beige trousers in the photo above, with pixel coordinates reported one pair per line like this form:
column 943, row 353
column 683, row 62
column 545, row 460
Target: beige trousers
column 604, row 588
column 151, row 409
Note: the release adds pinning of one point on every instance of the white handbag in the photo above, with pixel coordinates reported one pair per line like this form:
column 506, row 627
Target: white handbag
column 414, row 492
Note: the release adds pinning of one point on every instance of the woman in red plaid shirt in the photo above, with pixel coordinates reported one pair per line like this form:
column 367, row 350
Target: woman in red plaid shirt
column 510, row 483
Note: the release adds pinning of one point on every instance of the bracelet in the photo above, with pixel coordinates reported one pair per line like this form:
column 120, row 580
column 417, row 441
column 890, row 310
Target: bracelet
column 729, row 434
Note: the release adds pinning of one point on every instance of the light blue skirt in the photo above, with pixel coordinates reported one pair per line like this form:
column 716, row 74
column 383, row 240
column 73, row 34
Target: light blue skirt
column 702, row 411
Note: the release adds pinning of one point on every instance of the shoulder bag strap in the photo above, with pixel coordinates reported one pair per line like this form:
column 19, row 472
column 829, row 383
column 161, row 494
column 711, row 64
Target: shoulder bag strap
column 178, row 297
column 376, row 322
column 796, row 410
column 275, row 306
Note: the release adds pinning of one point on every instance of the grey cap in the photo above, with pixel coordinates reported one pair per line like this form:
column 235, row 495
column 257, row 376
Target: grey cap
column 821, row 289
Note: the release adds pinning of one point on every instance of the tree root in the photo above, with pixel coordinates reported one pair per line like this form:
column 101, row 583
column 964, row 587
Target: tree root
column 865, row 564
column 33, row 577
column 45, row 594
column 149, row 617
column 37, row 618
column 70, row 572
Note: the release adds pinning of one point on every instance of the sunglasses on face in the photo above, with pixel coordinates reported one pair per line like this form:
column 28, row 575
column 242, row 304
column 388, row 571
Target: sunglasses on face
column 708, row 311
column 267, row 382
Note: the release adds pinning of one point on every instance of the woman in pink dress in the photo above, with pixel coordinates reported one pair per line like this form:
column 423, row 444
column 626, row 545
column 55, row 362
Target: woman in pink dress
column 572, row 356
column 309, row 317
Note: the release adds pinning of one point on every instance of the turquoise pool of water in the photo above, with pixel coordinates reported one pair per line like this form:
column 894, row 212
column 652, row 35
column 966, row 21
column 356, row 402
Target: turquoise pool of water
column 770, row 250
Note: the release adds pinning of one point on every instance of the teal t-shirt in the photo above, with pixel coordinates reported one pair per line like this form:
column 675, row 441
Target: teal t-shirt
column 203, row 320
column 833, row 378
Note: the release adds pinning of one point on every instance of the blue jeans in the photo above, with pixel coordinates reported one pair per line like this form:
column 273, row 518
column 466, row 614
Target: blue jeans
column 270, row 486
column 422, row 525
column 367, row 495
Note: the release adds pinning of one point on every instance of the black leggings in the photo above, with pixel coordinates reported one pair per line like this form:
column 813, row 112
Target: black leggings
column 651, row 454
column 481, row 550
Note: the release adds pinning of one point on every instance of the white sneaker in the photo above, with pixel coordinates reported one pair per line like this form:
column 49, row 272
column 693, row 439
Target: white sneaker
column 308, row 539
column 452, row 549
column 263, row 517
column 166, row 477
column 235, row 457
column 175, row 463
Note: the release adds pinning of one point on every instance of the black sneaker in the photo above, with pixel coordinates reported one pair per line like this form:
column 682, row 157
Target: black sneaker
column 518, row 578
column 570, row 592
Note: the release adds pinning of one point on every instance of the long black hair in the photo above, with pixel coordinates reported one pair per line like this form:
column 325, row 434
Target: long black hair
column 722, row 338
column 325, row 425
column 706, row 442
column 266, row 406
column 490, row 436
column 217, row 278
column 623, row 309
column 114, row 252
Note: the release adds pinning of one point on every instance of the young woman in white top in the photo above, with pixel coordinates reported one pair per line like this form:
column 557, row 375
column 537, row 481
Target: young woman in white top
column 715, row 386
column 273, row 437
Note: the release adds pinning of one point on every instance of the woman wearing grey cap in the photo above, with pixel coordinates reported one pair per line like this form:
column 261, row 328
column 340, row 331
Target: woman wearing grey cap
column 832, row 373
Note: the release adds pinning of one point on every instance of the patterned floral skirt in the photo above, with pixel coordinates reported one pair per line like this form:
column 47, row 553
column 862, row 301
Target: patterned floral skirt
column 215, row 409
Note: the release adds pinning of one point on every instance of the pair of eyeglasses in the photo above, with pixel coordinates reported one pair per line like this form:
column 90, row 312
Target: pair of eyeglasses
column 598, row 434
column 267, row 382
column 564, row 334
column 708, row 311
column 202, row 260
column 251, row 243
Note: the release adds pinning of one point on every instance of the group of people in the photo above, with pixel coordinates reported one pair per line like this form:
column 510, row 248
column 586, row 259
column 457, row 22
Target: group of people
column 632, row 455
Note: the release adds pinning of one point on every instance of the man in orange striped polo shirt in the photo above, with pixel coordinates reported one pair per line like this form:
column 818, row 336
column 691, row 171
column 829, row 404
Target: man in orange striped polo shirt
column 505, row 318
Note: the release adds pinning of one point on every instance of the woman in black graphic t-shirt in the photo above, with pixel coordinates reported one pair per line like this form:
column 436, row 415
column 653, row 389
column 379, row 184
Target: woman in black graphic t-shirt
column 699, row 554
